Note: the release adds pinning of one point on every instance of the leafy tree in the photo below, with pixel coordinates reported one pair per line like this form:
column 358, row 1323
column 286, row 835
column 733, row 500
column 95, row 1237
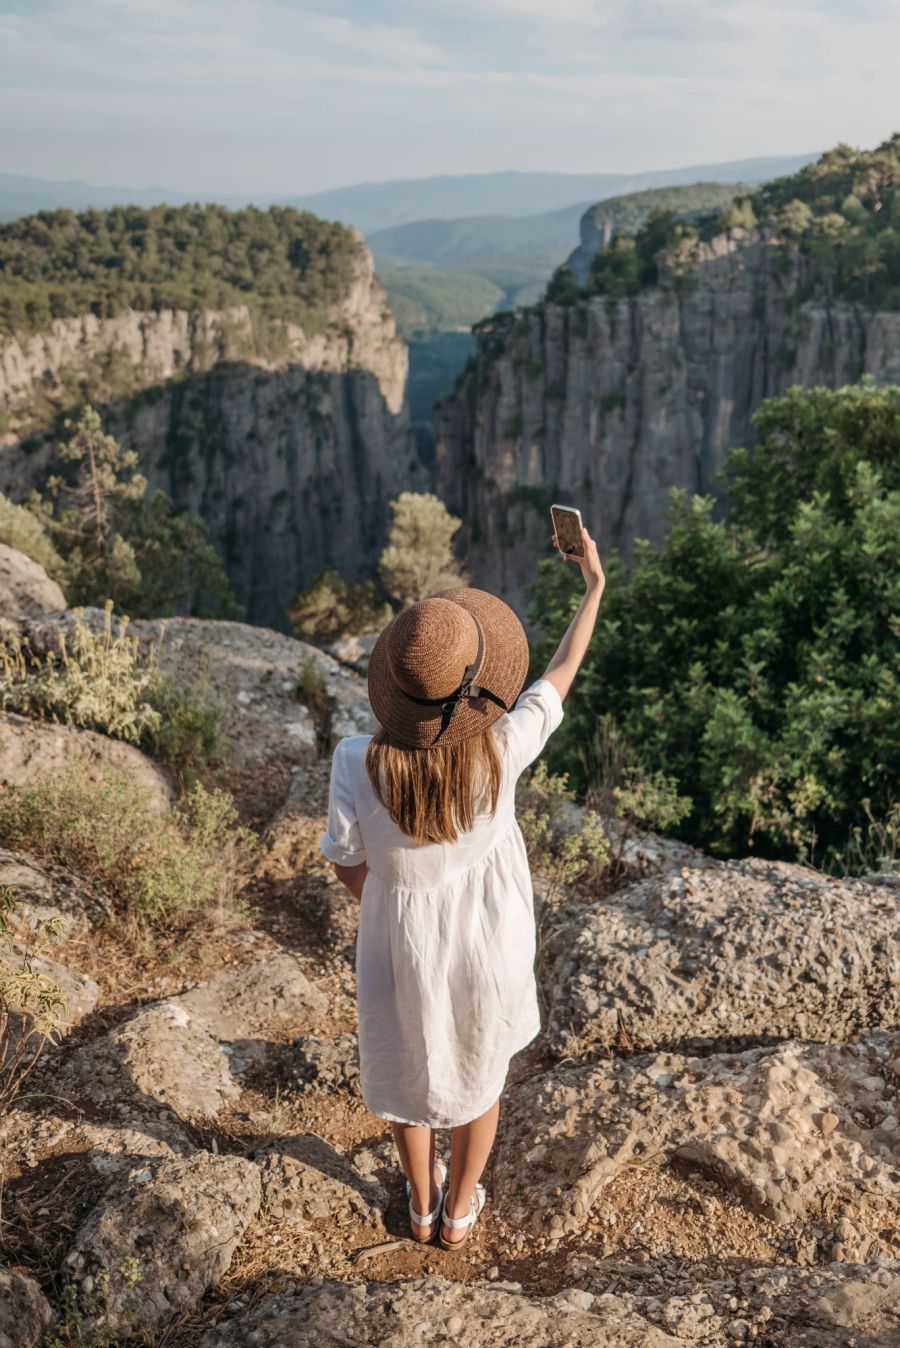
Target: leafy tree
column 754, row 663
column 117, row 543
column 418, row 559
column 22, row 529
column 331, row 608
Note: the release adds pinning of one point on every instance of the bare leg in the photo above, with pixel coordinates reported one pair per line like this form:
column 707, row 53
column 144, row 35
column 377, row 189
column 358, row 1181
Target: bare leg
column 416, row 1148
column 470, row 1148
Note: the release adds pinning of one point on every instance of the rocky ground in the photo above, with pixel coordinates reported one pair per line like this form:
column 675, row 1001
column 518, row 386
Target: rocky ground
column 702, row 1147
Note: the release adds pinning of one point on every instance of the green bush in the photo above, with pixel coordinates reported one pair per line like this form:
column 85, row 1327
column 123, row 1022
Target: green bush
column 99, row 677
column 754, row 664
column 21, row 528
column 155, row 864
column 331, row 608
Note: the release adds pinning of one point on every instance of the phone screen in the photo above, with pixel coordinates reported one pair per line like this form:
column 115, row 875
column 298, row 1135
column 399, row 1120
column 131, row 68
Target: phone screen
column 567, row 527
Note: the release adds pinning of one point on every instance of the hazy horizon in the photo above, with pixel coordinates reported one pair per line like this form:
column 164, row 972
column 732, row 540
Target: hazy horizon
column 273, row 99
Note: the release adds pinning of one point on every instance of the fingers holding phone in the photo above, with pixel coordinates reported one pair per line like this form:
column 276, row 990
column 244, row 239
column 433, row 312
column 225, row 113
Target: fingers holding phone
column 576, row 545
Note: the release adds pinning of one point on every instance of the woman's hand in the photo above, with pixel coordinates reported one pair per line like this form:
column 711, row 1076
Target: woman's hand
column 591, row 567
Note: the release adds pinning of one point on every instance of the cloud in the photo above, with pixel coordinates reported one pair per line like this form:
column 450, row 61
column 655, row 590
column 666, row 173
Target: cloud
column 289, row 95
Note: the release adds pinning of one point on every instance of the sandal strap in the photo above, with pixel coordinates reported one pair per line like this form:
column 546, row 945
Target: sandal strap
column 429, row 1217
column 476, row 1203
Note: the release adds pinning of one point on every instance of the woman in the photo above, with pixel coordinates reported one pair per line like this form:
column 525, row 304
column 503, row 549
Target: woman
column 422, row 830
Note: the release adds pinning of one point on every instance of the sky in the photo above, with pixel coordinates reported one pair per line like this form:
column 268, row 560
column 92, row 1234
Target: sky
column 289, row 97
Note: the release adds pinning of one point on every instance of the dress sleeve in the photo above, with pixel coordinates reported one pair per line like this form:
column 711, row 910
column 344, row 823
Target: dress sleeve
column 342, row 841
column 532, row 721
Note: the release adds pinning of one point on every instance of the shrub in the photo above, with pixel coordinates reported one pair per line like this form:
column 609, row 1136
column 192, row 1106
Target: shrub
column 157, row 865
column 563, row 854
column 332, row 608
column 21, row 528
column 418, row 559
column 32, row 1007
column 101, row 678
column 752, row 667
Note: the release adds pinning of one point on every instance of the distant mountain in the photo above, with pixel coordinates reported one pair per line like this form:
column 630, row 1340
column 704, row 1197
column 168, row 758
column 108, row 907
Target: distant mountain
column 376, row 206
column 23, row 196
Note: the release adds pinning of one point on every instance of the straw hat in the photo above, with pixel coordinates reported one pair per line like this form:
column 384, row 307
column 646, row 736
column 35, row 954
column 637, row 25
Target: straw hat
column 447, row 667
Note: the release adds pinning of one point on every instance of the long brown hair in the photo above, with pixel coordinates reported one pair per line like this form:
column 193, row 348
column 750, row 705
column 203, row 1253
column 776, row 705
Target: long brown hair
column 434, row 794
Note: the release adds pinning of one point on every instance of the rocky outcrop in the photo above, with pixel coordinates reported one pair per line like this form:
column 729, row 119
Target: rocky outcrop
column 289, row 444
column 33, row 749
column 706, row 954
column 304, row 1179
column 806, row 1134
column 433, row 1311
column 24, row 1311
column 608, row 405
column 160, row 1237
column 25, row 588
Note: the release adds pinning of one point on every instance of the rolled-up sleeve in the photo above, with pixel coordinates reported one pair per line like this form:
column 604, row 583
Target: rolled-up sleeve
column 342, row 841
column 538, row 712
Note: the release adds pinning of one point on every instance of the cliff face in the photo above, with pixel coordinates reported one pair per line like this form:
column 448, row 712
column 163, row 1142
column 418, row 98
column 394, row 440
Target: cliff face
column 288, row 444
column 609, row 405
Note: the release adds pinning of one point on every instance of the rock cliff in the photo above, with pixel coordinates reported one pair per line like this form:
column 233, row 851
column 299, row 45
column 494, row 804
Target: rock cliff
column 289, row 444
column 608, row 405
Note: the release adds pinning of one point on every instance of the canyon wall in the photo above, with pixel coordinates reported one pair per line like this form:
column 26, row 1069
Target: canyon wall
column 608, row 405
column 289, row 444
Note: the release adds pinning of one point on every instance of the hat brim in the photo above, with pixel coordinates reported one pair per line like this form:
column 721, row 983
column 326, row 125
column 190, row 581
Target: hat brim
column 503, row 670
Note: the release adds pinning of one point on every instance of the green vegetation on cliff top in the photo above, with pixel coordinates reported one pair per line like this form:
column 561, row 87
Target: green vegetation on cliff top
column 842, row 214
column 287, row 264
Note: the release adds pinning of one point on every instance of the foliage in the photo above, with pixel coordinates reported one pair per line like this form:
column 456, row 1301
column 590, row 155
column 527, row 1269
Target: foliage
column 563, row 855
column 101, row 678
column 21, row 528
column 754, row 664
column 32, row 1007
column 426, row 299
column 332, row 608
column 286, row 264
column 158, row 865
column 83, row 1319
column 841, row 215
column 116, row 542
column 418, row 559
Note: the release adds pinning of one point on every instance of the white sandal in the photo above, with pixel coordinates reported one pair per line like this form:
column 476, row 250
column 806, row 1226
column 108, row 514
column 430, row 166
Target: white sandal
column 430, row 1217
column 476, row 1203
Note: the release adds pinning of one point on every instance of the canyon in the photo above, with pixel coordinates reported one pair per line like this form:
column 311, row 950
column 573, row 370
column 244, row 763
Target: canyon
column 608, row 405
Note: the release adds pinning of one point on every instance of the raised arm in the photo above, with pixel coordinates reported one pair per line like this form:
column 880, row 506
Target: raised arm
column 571, row 650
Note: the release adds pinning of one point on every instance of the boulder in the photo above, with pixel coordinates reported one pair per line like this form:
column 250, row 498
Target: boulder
column 162, row 1066
column 330, row 1064
column 354, row 651
column 26, row 591
column 434, row 1311
column 258, row 674
column 805, row 1134
column 707, row 955
column 24, row 1311
column 163, row 1234
column 44, row 893
column 269, row 996
column 305, row 1179
column 32, row 749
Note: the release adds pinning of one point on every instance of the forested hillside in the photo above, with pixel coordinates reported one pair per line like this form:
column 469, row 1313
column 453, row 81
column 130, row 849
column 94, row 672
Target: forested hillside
column 287, row 263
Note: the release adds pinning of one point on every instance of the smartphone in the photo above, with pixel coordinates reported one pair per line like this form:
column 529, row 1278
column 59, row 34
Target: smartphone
column 567, row 527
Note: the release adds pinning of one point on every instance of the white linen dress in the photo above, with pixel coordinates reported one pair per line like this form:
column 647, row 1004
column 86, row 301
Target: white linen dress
column 446, row 944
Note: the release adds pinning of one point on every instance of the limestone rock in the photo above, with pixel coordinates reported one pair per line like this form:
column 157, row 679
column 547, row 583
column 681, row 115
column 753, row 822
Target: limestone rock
column 43, row 893
column 24, row 1311
column 635, row 397
column 354, row 651
column 758, row 1120
column 305, row 1179
column 434, row 1311
column 744, row 948
column 257, row 673
column 25, row 588
column 161, row 1066
column 833, row 1307
column 31, row 749
column 174, row 1225
column 332, row 1064
column 268, row 995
